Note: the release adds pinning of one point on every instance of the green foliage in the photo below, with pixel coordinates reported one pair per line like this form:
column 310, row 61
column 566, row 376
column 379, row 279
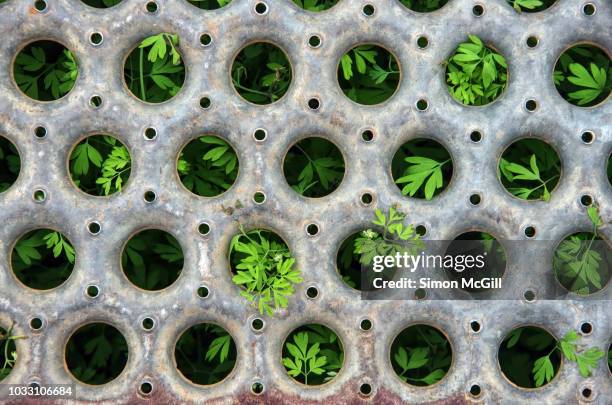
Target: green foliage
column 314, row 356
column 8, row 351
column 581, row 264
column 368, row 74
column 261, row 73
column 530, row 6
column 152, row 259
column 160, row 75
column 583, row 75
column 424, row 6
column 10, row 164
column 101, row 3
column 205, row 353
column 43, row 259
column 314, row 167
column 96, row 354
column 423, row 166
column 264, row 267
column 421, row 355
column 529, row 169
column 475, row 73
column 315, row 5
column 45, row 70
column 208, row 166
column 209, row 4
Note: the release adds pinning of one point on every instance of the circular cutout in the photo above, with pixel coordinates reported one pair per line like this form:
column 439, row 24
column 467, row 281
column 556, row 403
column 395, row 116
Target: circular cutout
column 589, row 9
column 203, row 292
column 475, row 390
column 476, row 136
column 422, row 168
column 421, row 355
column 45, row 70
column 486, row 267
column 261, row 8
column 530, row 231
column 151, row 7
column 96, row 38
column 150, row 134
column 581, row 263
column 531, row 6
column 209, row 4
column 486, row 83
column 368, row 10
column 365, row 324
column 260, row 135
column 205, row 354
column 367, row 135
column 580, row 75
column 204, row 228
column 313, row 354
column 424, row 6
column 532, row 41
column 422, row 42
column 475, row 199
column 315, row 5
column 531, row 105
column 422, row 105
column 586, row 200
column 312, row 229
column 208, row 166
column 154, row 71
column 368, row 74
column 101, row 3
column 92, row 291
column 420, row 230
column 314, row 41
column 314, row 104
column 8, row 351
column 478, row 10
column 365, row 389
column 94, row 227
column 148, row 324
column 146, row 388
column 257, row 388
column 100, row 165
column 529, row 357
column 39, row 195
column 475, row 326
column 259, row 197
column 101, row 365
column 261, row 73
column 10, row 164
column 43, row 259
column 529, row 296
column 312, row 292
column 149, row 196
column 587, row 137
column 205, row 39
column 36, row 323
column 40, row 5
column 420, row 294
column 257, row 324
column 586, row 392
column 314, row 167
column 205, row 103
column 586, row 328
column 530, row 169
column 40, row 132
column 367, row 198
column 152, row 259
column 95, row 102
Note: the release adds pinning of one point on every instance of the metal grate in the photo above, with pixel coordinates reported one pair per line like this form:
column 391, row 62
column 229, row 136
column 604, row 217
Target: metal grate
column 179, row 212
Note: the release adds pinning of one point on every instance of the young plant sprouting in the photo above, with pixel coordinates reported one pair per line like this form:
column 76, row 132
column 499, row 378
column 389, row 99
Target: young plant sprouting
column 313, row 354
column 368, row 74
column 261, row 73
column 208, row 166
column 315, row 5
column 43, row 259
column 476, row 74
column 209, row 4
column 530, row 6
column 421, row 355
column 314, row 167
column 424, row 6
column 160, row 75
column 8, row 351
column 45, row 70
column 533, row 349
column 530, row 169
column 264, row 267
column 581, row 266
column 422, row 168
column 100, row 165
column 205, row 354
column 10, row 164
column 583, row 75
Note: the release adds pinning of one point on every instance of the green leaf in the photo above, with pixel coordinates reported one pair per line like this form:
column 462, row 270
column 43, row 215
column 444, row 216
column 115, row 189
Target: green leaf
column 543, row 371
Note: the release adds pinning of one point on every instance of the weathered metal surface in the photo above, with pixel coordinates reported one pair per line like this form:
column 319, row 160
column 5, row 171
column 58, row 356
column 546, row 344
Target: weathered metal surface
column 44, row 165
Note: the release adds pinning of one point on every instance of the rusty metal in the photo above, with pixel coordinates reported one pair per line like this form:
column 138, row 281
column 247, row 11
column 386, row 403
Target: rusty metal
column 44, row 166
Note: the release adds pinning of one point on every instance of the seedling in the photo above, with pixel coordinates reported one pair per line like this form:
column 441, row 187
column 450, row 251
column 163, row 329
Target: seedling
column 315, row 5
column 45, row 70
column 10, row 164
column 205, row 354
column 476, row 74
column 8, row 351
column 264, row 267
column 43, row 259
column 210, row 4
column 424, row 6
column 583, row 75
column 313, row 354
column 96, row 353
column 208, row 166
column 422, row 168
column 421, row 355
column 530, row 6
column 530, row 356
column 152, row 259
column 530, row 169
column 160, row 75
column 261, row 73
column 314, row 167
column 100, row 165
column 368, row 74
column 581, row 264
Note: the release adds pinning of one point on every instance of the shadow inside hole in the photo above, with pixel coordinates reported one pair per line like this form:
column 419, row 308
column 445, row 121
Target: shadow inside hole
column 209, row 4
column 146, row 388
column 314, row 104
column 586, row 328
column 257, row 324
column 148, row 323
column 36, row 323
column 529, row 296
column 367, row 198
column 475, row 326
column 475, row 199
column 203, row 292
column 368, row 10
column 365, row 389
column 149, row 196
column 101, row 3
column 475, row 390
column 10, row 164
column 257, row 388
column 423, row 6
column 365, row 324
column 587, row 137
column 478, row 10
column 92, row 291
column 586, row 200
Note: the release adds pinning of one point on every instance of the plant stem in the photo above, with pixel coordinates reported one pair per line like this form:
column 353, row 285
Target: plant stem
column 143, row 94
